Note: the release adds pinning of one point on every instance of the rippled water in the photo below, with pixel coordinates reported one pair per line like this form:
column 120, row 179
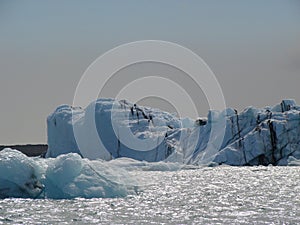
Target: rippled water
column 220, row 195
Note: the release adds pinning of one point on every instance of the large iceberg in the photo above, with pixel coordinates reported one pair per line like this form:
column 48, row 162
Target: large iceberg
column 115, row 122
column 252, row 137
column 77, row 166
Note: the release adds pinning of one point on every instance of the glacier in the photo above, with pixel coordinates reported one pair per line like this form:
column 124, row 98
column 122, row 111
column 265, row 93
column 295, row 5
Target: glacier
column 254, row 136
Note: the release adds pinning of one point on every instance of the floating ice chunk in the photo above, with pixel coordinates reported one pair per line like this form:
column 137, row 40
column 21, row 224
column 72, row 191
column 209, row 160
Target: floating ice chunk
column 19, row 175
column 292, row 161
column 67, row 176
column 70, row 176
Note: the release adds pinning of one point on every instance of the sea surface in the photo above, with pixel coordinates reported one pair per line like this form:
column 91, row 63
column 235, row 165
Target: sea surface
column 207, row 195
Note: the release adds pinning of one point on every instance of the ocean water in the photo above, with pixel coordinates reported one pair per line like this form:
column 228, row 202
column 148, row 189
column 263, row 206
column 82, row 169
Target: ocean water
column 217, row 195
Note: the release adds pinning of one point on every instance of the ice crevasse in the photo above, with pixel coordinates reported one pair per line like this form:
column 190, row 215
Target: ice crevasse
column 254, row 136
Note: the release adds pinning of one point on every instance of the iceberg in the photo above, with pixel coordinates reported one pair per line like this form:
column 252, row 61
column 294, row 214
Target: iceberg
column 254, row 136
column 266, row 136
column 65, row 177
column 263, row 136
column 125, row 130
column 20, row 175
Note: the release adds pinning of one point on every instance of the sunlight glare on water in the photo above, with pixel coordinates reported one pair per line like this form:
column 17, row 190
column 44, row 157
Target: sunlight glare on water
column 220, row 195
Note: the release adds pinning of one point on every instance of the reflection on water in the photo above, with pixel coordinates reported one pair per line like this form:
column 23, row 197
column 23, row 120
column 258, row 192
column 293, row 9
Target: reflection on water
column 227, row 195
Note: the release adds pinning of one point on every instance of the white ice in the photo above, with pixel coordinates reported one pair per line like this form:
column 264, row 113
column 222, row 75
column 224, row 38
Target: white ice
column 67, row 176
column 252, row 137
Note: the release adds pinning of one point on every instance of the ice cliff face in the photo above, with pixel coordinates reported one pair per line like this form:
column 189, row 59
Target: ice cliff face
column 144, row 123
column 263, row 136
column 253, row 137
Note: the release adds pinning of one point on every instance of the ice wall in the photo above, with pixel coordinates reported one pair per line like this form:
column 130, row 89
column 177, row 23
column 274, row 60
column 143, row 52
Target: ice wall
column 256, row 136
column 142, row 122
column 252, row 137
column 269, row 136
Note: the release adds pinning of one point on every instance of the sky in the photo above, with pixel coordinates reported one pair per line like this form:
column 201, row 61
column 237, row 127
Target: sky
column 253, row 48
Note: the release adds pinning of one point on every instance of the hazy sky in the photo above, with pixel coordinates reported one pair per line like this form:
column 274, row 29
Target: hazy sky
column 253, row 47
